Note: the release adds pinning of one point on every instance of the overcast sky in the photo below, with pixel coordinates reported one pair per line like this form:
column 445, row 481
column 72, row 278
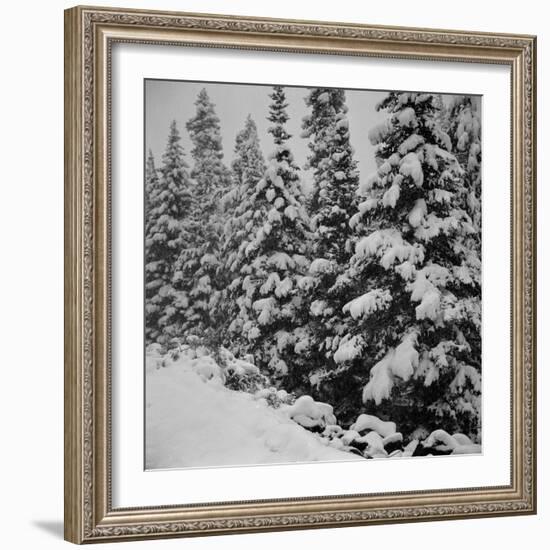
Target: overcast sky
column 167, row 100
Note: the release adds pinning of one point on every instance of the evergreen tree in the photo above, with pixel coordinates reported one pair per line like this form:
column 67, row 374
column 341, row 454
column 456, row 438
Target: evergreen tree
column 465, row 132
column 441, row 113
column 168, row 202
column 248, row 163
column 248, row 167
column 209, row 172
column 197, row 267
column 270, row 257
column 332, row 204
column 325, row 104
column 151, row 181
column 413, row 326
column 335, row 177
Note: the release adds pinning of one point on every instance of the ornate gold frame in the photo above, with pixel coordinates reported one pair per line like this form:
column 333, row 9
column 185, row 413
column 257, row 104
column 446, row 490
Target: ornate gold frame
column 89, row 35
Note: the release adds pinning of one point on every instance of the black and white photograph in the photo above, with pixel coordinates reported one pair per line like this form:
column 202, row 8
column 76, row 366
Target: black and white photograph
column 312, row 274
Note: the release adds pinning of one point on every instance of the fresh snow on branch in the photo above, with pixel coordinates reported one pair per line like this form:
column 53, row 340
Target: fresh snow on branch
column 368, row 303
column 399, row 362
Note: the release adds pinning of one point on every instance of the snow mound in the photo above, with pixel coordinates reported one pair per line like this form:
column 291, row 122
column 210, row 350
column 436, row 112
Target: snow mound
column 310, row 413
column 457, row 444
column 240, row 367
column 193, row 422
column 373, row 423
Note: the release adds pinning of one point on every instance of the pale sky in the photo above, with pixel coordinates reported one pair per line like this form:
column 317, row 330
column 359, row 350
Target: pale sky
column 166, row 100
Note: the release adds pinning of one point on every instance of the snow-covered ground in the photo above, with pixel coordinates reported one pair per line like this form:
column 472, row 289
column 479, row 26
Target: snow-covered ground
column 193, row 420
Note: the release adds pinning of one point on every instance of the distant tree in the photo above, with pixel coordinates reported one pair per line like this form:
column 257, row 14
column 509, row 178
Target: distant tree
column 248, row 161
column 151, row 181
column 169, row 201
column 198, row 295
column 209, row 172
column 247, row 169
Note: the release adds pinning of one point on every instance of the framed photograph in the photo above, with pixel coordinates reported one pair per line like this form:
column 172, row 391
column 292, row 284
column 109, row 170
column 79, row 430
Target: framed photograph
column 300, row 274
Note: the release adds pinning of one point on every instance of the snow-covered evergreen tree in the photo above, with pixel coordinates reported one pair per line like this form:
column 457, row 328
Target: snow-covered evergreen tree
column 324, row 104
column 270, row 258
column 209, row 172
column 248, row 167
column 248, row 159
column 198, row 295
column 335, row 179
column 151, row 181
column 332, row 203
column 464, row 121
column 168, row 202
column 414, row 318
column 441, row 113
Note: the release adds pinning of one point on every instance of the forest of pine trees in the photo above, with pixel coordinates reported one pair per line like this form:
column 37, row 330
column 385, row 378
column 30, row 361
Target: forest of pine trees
column 363, row 291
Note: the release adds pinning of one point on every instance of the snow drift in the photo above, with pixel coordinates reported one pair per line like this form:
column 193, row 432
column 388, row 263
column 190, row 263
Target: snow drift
column 193, row 420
